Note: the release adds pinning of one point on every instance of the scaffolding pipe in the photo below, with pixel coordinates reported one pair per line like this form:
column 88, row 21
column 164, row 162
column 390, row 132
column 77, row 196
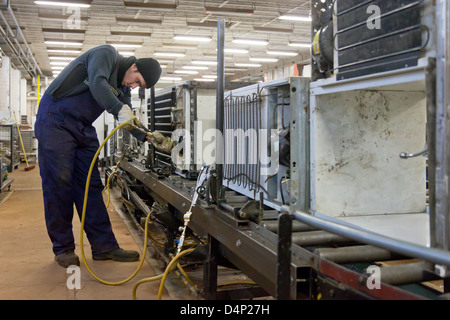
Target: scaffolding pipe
column 20, row 53
column 401, row 247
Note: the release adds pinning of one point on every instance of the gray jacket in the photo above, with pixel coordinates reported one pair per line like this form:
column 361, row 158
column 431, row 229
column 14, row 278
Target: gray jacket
column 96, row 69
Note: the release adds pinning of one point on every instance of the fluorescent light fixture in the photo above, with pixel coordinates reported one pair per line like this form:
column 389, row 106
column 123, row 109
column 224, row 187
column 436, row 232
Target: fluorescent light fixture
column 186, row 71
column 145, row 22
column 58, row 67
column 64, row 43
column 283, row 53
column 205, row 62
column 126, row 53
column 210, row 76
column 256, row 42
column 229, row 11
column 234, row 50
column 195, row 67
column 252, row 65
column 63, row 51
column 171, row 78
column 293, row 17
column 59, row 63
column 130, row 53
column 272, row 30
column 204, row 80
column 149, row 6
column 126, row 45
column 61, row 58
column 187, row 37
column 63, row 4
column 256, row 59
column 169, row 54
column 299, row 44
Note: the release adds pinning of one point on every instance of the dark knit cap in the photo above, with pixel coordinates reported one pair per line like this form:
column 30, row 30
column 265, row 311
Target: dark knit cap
column 150, row 70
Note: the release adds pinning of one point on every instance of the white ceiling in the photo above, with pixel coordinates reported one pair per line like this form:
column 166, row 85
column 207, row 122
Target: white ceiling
column 99, row 23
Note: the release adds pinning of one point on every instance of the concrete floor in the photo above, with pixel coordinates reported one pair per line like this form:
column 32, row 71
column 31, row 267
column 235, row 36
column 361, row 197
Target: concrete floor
column 27, row 267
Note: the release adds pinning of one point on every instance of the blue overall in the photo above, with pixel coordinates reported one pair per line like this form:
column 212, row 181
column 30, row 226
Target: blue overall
column 67, row 145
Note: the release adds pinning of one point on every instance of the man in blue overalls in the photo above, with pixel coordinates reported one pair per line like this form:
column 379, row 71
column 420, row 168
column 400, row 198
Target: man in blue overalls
column 98, row 80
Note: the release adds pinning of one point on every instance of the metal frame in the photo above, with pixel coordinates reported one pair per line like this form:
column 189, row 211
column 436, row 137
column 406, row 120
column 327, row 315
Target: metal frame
column 441, row 216
column 26, row 57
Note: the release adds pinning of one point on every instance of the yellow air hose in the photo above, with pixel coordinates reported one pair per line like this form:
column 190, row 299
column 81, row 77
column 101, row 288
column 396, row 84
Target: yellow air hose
column 83, row 217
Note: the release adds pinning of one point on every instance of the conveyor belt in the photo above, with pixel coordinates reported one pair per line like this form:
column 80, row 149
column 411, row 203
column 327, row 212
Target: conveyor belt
column 319, row 259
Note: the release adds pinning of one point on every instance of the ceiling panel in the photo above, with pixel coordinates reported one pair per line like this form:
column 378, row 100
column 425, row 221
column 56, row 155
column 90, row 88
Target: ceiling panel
column 103, row 20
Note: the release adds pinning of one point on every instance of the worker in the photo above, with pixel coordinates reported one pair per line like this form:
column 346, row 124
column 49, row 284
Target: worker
column 99, row 79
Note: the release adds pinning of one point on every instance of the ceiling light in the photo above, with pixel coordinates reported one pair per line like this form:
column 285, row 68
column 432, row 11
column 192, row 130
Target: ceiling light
column 61, row 58
column 63, row 4
column 205, row 62
column 210, row 76
column 169, row 54
column 263, row 59
column 64, row 43
column 292, row 17
column 58, row 67
column 187, row 37
column 256, row 42
column 204, row 80
column 59, row 63
column 126, row 45
column 149, row 6
column 126, row 53
column 272, row 30
column 63, row 51
column 283, row 53
column 172, row 78
column 253, row 65
column 234, row 50
column 195, row 67
column 299, row 44
column 186, row 71
column 130, row 21
column 229, row 11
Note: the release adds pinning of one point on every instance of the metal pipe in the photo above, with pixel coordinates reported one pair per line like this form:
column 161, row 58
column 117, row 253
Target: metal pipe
column 220, row 104
column 316, row 238
column 19, row 32
column 351, row 254
column 363, row 236
column 406, row 273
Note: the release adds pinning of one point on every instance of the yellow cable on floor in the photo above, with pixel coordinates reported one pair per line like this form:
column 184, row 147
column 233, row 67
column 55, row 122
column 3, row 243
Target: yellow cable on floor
column 163, row 276
column 83, row 218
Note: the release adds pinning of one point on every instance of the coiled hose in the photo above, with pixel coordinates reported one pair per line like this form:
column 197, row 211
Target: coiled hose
column 83, row 217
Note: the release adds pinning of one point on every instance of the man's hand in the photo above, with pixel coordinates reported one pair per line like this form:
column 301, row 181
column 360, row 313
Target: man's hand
column 126, row 115
column 160, row 142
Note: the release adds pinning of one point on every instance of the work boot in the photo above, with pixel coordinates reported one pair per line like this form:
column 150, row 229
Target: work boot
column 117, row 255
column 68, row 258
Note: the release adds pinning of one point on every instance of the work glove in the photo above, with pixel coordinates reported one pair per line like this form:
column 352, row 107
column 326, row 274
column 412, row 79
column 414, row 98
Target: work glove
column 126, row 115
column 160, row 142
